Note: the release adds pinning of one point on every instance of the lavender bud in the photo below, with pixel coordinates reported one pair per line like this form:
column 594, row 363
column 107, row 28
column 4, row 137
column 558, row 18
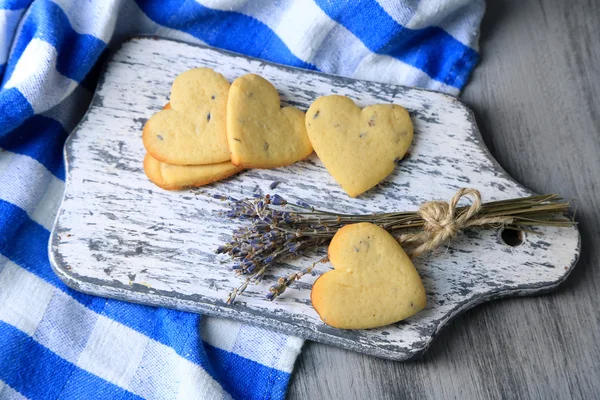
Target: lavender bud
column 269, row 259
column 274, row 288
column 293, row 247
column 278, row 200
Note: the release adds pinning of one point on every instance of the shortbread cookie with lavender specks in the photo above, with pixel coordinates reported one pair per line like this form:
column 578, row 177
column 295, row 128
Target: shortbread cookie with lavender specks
column 175, row 177
column 373, row 283
column 191, row 130
column 358, row 147
column 260, row 133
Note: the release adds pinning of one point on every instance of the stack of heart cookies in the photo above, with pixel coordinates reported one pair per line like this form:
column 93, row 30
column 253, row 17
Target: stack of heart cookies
column 211, row 130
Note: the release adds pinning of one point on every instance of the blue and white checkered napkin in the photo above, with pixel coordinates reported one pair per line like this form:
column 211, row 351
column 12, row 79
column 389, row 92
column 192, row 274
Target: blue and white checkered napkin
column 58, row 343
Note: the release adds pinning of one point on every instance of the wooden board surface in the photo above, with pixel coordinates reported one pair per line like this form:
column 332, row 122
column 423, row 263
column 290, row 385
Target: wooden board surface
column 117, row 235
column 536, row 98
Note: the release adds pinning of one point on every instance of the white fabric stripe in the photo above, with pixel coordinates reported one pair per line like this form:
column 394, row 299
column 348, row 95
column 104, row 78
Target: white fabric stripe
column 115, row 352
column 464, row 24
column 304, row 16
column 96, row 18
column 28, row 185
column 112, row 351
column 45, row 211
column 219, row 332
column 36, row 77
column 389, row 71
column 459, row 18
column 262, row 10
column 8, row 393
column 195, row 383
column 9, row 20
column 159, row 378
column 319, row 39
column 292, row 349
column 259, row 345
column 224, row 334
column 65, row 327
column 23, row 297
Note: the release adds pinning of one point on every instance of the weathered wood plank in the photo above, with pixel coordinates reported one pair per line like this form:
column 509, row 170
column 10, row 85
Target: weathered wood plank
column 117, row 235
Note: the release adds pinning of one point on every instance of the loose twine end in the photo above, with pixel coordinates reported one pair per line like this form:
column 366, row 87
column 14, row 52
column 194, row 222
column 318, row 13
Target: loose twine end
column 442, row 222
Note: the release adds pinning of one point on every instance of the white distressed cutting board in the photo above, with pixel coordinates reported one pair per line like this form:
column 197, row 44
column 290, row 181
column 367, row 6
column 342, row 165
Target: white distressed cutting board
column 117, row 235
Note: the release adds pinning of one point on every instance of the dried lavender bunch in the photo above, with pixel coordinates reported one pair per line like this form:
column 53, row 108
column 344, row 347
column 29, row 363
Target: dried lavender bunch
column 273, row 234
column 277, row 230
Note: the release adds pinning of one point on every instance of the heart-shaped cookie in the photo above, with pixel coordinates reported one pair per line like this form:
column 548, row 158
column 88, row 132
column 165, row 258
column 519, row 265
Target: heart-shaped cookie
column 175, row 177
column 373, row 283
column 358, row 147
column 260, row 133
column 191, row 130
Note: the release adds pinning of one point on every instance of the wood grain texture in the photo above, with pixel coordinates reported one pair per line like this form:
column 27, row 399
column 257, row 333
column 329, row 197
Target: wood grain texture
column 536, row 96
column 117, row 235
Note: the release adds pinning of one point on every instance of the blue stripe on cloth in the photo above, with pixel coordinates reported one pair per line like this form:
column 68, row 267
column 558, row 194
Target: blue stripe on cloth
column 29, row 367
column 225, row 29
column 235, row 369
column 14, row 109
column 431, row 49
column 46, row 21
column 25, row 243
column 40, row 138
column 14, row 4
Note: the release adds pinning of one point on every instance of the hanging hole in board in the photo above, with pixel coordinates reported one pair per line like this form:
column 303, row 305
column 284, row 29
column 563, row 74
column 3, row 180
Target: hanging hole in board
column 512, row 237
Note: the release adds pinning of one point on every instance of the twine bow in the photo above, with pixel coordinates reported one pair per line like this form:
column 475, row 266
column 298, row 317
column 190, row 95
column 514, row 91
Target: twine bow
column 443, row 221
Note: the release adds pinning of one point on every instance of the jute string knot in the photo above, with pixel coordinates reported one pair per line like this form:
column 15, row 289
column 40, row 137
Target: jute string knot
column 442, row 222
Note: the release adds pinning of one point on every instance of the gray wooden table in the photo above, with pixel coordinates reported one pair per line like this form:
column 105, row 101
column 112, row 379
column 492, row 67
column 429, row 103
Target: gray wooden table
column 536, row 95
